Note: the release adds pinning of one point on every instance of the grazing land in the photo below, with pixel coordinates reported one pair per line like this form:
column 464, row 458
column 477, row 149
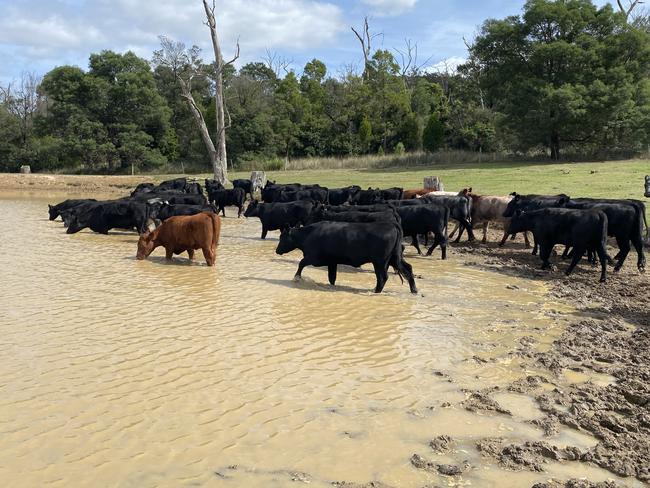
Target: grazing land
column 612, row 179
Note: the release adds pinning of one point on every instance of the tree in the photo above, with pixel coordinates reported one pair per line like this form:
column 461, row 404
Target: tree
column 220, row 165
column 433, row 135
column 186, row 66
column 365, row 134
column 563, row 73
column 365, row 39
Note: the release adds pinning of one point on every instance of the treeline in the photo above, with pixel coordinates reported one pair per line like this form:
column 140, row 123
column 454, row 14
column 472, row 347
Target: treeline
column 563, row 77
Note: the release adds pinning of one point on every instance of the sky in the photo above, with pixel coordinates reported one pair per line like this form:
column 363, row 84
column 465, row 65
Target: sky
column 37, row 35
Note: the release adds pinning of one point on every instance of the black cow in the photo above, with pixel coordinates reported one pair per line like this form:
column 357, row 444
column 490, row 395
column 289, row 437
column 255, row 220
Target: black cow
column 647, row 186
column 377, row 207
column 321, row 213
column 422, row 219
column 179, row 184
column 143, row 188
column 225, row 198
column 278, row 216
column 166, row 211
column 318, row 195
column 526, row 203
column 339, row 196
column 391, row 193
column 366, row 197
column 584, row 230
column 194, row 188
column 56, row 210
column 172, row 197
column 103, row 216
column 212, row 185
column 246, row 185
column 460, row 209
column 352, row 244
column 625, row 220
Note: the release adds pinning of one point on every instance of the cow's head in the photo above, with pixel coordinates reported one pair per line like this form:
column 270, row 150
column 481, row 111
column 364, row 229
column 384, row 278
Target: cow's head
column 253, row 209
column 287, row 242
column 465, row 192
column 647, row 186
column 518, row 222
column 145, row 245
column 316, row 214
column 54, row 213
column 513, row 205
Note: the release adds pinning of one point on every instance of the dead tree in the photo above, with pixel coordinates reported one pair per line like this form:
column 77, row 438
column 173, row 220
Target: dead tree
column 220, row 164
column 186, row 65
column 23, row 101
column 276, row 63
column 365, row 39
column 630, row 7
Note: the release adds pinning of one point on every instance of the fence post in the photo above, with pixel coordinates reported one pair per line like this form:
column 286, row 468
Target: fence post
column 433, row 183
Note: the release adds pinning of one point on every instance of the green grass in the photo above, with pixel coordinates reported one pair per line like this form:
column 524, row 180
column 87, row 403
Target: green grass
column 613, row 179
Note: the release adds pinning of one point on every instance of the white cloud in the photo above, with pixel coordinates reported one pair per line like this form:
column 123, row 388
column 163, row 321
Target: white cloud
column 449, row 65
column 34, row 31
column 389, row 7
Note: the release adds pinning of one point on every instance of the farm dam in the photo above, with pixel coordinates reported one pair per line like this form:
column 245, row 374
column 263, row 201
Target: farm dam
column 157, row 373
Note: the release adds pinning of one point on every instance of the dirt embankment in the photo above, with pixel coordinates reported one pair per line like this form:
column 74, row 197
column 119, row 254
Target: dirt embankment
column 611, row 335
column 72, row 184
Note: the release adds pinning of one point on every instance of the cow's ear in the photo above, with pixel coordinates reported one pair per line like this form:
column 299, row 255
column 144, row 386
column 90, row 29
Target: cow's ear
column 564, row 200
column 470, row 189
column 50, row 206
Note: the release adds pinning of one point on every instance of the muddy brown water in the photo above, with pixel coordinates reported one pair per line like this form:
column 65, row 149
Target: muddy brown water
column 125, row 373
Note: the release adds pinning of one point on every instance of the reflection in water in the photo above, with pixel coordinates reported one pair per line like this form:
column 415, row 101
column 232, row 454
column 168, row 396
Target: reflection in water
column 155, row 373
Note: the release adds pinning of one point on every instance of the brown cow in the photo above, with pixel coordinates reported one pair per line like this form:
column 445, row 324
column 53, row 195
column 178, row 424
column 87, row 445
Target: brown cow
column 184, row 233
column 411, row 194
column 486, row 209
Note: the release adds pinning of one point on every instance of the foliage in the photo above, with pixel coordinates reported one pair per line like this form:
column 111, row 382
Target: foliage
column 564, row 77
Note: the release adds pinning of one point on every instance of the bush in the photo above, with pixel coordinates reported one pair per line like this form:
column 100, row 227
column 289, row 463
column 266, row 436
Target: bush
column 400, row 149
column 434, row 134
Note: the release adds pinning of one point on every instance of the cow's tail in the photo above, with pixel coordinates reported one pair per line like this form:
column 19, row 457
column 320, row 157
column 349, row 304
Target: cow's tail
column 398, row 251
column 216, row 229
column 447, row 213
column 645, row 222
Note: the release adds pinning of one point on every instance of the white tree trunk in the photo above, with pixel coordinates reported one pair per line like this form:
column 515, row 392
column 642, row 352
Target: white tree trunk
column 220, row 164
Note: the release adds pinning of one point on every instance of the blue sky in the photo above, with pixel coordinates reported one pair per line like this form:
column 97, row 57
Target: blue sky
column 36, row 35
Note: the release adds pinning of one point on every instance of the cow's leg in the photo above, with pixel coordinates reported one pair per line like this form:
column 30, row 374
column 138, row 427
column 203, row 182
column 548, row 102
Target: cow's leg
column 624, row 246
column 436, row 240
column 535, row 246
column 568, row 253
column 602, row 255
column 415, row 243
column 460, row 232
column 545, row 250
column 578, row 252
column 331, row 273
column 380, row 274
column 526, row 240
column 190, row 253
column 407, row 271
column 169, row 252
column 223, row 210
column 637, row 241
column 453, row 232
column 470, row 232
column 209, row 256
column 264, row 232
column 301, row 265
column 486, row 225
column 504, row 238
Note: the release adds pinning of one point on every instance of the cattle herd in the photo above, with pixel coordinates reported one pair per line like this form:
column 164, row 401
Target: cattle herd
column 351, row 226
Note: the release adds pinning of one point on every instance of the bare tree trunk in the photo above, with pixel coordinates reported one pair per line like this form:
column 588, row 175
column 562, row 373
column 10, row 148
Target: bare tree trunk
column 220, row 163
column 186, row 93
column 365, row 39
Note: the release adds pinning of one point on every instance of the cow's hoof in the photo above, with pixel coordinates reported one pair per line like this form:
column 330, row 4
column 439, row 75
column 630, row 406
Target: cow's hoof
column 297, row 278
column 617, row 269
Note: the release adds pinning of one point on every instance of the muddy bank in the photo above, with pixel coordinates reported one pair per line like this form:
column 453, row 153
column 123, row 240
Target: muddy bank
column 605, row 354
column 73, row 184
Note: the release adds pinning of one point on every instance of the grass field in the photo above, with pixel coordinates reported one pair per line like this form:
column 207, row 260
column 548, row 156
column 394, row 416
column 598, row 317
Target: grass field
column 614, row 179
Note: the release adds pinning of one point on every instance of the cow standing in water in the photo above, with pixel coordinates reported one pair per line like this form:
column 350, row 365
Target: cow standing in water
column 184, row 233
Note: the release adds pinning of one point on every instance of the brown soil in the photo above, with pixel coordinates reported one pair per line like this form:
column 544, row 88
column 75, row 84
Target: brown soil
column 73, row 184
column 611, row 335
